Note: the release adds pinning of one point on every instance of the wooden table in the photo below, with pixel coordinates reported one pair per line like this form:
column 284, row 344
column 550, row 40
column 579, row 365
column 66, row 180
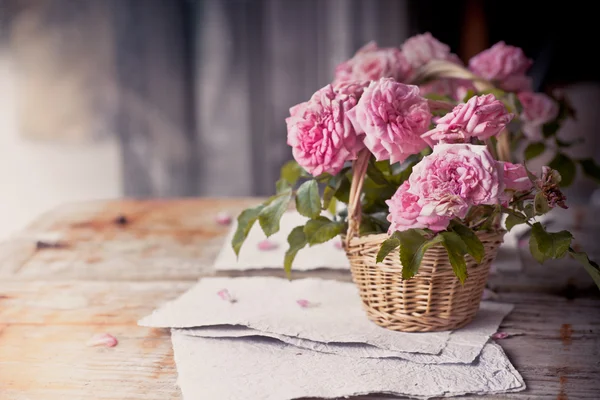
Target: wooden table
column 99, row 267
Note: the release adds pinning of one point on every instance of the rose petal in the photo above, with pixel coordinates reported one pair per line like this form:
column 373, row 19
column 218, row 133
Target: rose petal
column 500, row 335
column 305, row 303
column 102, row 339
column 225, row 295
column 267, row 245
column 223, row 218
column 338, row 244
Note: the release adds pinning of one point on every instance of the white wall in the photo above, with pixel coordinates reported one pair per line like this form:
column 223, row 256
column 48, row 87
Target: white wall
column 36, row 176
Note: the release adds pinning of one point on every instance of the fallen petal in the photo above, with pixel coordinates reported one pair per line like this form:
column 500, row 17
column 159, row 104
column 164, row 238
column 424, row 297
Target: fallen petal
column 102, row 339
column 306, row 304
column 225, row 295
column 223, row 218
column 500, row 335
column 303, row 303
column 267, row 245
column 338, row 244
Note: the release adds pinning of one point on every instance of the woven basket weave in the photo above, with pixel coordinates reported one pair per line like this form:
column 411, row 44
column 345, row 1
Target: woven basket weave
column 432, row 300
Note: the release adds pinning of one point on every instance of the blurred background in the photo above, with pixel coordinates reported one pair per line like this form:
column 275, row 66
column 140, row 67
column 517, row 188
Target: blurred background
column 169, row 98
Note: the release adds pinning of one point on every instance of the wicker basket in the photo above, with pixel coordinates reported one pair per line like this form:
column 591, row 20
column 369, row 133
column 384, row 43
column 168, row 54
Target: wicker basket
column 432, row 300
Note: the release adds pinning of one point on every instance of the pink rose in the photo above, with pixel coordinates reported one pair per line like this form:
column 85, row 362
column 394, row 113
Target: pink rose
column 538, row 109
column 393, row 116
column 515, row 177
column 320, row 133
column 420, row 49
column 503, row 64
column 371, row 63
column 405, row 212
column 453, row 178
column 481, row 117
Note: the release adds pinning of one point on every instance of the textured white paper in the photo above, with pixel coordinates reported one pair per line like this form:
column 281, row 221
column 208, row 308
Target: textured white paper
column 325, row 255
column 269, row 304
column 266, row 369
column 463, row 346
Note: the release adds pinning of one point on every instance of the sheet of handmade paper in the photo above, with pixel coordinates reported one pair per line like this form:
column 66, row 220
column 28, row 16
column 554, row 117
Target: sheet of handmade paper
column 320, row 310
column 463, row 346
column 326, row 255
column 267, row 369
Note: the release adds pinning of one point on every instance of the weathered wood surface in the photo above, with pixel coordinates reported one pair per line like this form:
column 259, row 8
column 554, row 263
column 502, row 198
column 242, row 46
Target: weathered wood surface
column 117, row 261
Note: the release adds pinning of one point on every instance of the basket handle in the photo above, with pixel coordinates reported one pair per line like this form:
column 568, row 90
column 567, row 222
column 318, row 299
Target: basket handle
column 445, row 69
column 434, row 69
column 359, row 170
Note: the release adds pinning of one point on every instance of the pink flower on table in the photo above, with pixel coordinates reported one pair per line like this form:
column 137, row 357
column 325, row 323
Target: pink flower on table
column 320, row 133
column 421, row 49
column 503, row 64
column 371, row 63
column 392, row 116
column 481, row 117
column 405, row 212
column 453, row 178
column 538, row 109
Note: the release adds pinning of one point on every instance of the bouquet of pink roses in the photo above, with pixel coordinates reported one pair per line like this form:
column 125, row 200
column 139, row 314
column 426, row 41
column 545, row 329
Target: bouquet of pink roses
column 422, row 149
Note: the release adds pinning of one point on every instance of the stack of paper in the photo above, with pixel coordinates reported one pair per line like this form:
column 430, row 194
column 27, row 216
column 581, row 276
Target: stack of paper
column 270, row 338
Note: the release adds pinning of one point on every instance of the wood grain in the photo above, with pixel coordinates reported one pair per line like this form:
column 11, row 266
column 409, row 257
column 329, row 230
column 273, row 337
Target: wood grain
column 94, row 274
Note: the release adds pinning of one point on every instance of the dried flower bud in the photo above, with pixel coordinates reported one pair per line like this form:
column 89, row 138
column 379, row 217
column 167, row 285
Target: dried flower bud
column 548, row 185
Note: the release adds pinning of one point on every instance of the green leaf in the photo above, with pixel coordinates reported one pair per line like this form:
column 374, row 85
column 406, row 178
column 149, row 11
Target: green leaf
column 540, row 204
column 308, row 201
column 473, row 245
column 534, row 149
column 322, row 229
column 562, row 143
column 498, row 93
column 332, row 207
column 384, row 166
column 513, row 220
column 590, row 266
column 550, row 129
column 297, row 241
column 534, row 249
column 333, row 186
column 529, row 211
column 551, row 244
column 343, row 192
column 245, row 220
column 590, row 168
column 566, row 167
column 470, row 93
column 386, row 247
column 530, row 174
column 413, row 246
column 456, row 249
column 282, row 185
column 376, row 175
column 291, row 172
column 270, row 216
